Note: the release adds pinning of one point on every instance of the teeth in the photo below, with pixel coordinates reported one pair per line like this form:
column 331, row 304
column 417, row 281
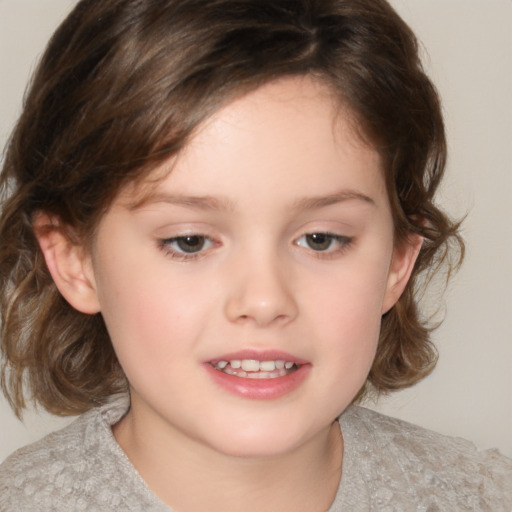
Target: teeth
column 229, row 371
column 253, row 365
column 254, row 369
column 258, row 375
column 250, row 365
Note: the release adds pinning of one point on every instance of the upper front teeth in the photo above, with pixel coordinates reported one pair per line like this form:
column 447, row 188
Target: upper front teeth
column 253, row 365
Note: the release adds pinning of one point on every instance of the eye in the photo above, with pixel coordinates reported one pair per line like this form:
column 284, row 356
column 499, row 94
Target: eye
column 190, row 243
column 186, row 245
column 323, row 242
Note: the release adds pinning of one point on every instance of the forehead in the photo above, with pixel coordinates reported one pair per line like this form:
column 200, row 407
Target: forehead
column 292, row 131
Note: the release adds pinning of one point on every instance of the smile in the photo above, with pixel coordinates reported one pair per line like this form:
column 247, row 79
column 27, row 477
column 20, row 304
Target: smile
column 254, row 369
column 258, row 375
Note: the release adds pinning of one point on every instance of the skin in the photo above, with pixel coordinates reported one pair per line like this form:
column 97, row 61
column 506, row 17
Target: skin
column 275, row 165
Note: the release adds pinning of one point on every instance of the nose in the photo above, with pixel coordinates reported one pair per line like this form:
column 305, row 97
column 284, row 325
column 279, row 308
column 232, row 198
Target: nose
column 260, row 293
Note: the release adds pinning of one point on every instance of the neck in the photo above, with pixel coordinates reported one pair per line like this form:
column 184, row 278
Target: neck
column 190, row 477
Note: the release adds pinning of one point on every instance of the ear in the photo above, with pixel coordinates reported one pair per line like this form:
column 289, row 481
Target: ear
column 400, row 270
column 68, row 262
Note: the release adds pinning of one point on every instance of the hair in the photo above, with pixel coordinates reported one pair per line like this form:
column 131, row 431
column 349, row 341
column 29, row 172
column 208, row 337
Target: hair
column 122, row 86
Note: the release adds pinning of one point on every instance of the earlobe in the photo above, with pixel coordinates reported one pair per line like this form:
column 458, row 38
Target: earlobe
column 402, row 265
column 68, row 263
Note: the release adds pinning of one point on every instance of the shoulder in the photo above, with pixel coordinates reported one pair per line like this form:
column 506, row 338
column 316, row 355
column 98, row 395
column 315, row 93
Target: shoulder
column 52, row 461
column 48, row 467
column 76, row 469
column 426, row 467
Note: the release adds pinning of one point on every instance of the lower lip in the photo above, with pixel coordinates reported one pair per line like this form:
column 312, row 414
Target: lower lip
column 259, row 389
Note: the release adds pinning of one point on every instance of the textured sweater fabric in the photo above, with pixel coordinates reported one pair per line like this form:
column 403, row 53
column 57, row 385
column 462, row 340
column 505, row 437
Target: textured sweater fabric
column 388, row 466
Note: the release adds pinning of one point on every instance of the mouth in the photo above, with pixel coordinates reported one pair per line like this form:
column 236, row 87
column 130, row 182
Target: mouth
column 259, row 375
column 256, row 369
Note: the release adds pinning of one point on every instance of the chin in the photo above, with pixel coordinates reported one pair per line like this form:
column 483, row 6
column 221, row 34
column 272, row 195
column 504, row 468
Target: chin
column 258, row 449
column 261, row 440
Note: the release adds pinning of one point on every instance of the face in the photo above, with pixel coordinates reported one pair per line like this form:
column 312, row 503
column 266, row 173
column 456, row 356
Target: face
column 244, row 295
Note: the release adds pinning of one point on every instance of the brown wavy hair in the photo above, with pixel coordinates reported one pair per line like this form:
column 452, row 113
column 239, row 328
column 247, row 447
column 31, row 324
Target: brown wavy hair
column 122, row 86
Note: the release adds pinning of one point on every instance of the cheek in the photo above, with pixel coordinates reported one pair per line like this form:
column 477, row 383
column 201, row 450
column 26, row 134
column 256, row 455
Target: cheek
column 153, row 314
column 347, row 313
column 345, row 328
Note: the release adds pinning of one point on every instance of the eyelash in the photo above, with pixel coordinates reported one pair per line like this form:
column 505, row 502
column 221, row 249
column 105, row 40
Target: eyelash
column 342, row 242
column 166, row 245
column 181, row 255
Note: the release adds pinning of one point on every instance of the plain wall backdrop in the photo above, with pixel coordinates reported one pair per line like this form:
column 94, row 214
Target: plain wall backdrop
column 469, row 56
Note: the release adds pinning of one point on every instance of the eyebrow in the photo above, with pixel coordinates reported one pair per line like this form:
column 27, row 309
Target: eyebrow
column 313, row 203
column 207, row 203
column 211, row 203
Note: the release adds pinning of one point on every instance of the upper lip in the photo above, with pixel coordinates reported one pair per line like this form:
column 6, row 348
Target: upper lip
column 259, row 355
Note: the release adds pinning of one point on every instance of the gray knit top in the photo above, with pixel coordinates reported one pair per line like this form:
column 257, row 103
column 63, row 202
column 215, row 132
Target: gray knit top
column 388, row 466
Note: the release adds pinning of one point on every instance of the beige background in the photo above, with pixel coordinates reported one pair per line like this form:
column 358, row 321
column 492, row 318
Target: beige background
column 469, row 46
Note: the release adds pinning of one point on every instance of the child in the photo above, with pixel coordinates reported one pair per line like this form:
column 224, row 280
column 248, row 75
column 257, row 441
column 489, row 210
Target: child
column 215, row 216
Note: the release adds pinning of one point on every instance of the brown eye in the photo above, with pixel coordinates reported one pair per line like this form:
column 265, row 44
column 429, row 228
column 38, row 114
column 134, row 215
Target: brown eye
column 187, row 247
column 319, row 241
column 190, row 244
column 324, row 242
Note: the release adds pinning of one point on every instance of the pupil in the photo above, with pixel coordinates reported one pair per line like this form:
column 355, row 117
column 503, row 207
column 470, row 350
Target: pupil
column 190, row 243
column 319, row 241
